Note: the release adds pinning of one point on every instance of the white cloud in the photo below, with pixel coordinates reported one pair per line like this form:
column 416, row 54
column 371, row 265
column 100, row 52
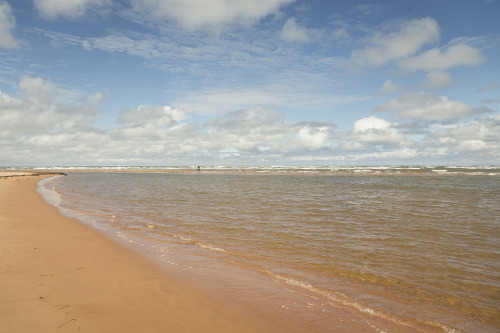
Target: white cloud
column 410, row 37
column 240, row 132
column 112, row 43
column 265, row 130
column 97, row 98
column 198, row 14
column 157, row 116
column 437, row 80
column 313, row 137
column 377, row 131
column 46, row 131
column 39, row 112
column 53, row 9
column 292, row 32
column 434, row 80
column 481, row 136
column 248, row 130
column 7, row 24
column 39, row 129
column 37, row 89
column 371, row 123
column 389, row 87
column 435, row 60
column 278, row 77
column 472, row 145
column 427, row 106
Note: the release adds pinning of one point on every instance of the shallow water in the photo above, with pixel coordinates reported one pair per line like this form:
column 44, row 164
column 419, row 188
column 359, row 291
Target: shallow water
column 414, row 246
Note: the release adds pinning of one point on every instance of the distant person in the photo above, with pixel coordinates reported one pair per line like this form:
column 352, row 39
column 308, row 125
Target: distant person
column 198, row 168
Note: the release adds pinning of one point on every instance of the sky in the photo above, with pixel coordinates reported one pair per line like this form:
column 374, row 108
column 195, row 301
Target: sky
column 249, row 82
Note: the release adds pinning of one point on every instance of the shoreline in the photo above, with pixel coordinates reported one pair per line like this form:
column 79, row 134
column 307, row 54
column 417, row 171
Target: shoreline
column 82, row 265
column 59, row 275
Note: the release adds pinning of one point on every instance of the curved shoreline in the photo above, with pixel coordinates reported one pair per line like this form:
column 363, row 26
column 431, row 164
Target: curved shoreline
column 59, row 275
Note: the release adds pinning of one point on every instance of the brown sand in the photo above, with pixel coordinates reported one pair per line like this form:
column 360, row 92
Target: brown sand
column 57, row 275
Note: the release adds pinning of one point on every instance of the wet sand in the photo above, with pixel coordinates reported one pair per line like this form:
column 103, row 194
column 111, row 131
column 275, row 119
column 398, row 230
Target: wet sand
column 57, row 275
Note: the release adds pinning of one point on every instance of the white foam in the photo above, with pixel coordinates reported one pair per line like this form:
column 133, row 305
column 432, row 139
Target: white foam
column 340, row 298
column 210, row 247
column 50, row 195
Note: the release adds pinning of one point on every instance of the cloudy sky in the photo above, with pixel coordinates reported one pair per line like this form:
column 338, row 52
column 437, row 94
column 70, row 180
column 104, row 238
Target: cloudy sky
column 249, row 82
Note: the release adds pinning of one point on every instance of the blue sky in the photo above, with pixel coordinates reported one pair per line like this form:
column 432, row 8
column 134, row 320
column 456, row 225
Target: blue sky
column 239, row 82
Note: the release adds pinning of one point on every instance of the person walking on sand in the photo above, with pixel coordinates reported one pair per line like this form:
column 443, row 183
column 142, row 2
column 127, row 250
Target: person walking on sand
column 198, row 168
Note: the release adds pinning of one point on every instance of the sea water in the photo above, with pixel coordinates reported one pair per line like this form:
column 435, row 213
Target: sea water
column 419, row 247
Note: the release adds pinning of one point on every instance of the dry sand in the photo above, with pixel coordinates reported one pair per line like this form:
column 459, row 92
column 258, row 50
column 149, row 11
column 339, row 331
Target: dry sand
column 57, row 275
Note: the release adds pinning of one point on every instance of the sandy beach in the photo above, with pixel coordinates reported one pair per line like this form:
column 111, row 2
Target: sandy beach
column 58, row 275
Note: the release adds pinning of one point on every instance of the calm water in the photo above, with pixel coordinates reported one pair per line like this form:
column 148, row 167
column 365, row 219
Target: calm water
column 415, row 246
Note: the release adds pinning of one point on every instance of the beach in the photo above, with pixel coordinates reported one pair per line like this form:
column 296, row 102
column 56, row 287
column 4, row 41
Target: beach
column 361, row 250
column 58, row 275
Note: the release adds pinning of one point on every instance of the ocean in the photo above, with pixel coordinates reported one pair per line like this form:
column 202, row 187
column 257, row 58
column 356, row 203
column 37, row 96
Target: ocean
column 394, row 248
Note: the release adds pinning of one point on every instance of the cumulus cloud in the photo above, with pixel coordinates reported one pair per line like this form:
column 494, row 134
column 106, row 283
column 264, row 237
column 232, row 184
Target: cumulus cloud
column 427, row 107
column 158, row 116
column 435, row 60
column 481, row 136
column 434, row 80
column 266, row 130
column 7, row 24
column 198, row 14
column 53, row 9
column 313, row 136
column 97, row 98
column 38, row 126
column 241, row 121
column 38, row 110
column 437, row 80
column 389, row 87
column 238, row 133
column 35, row 88
column 38, row 129
column 249, row 130
column 377, row 131
column 292, row 32
column 409, row 38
